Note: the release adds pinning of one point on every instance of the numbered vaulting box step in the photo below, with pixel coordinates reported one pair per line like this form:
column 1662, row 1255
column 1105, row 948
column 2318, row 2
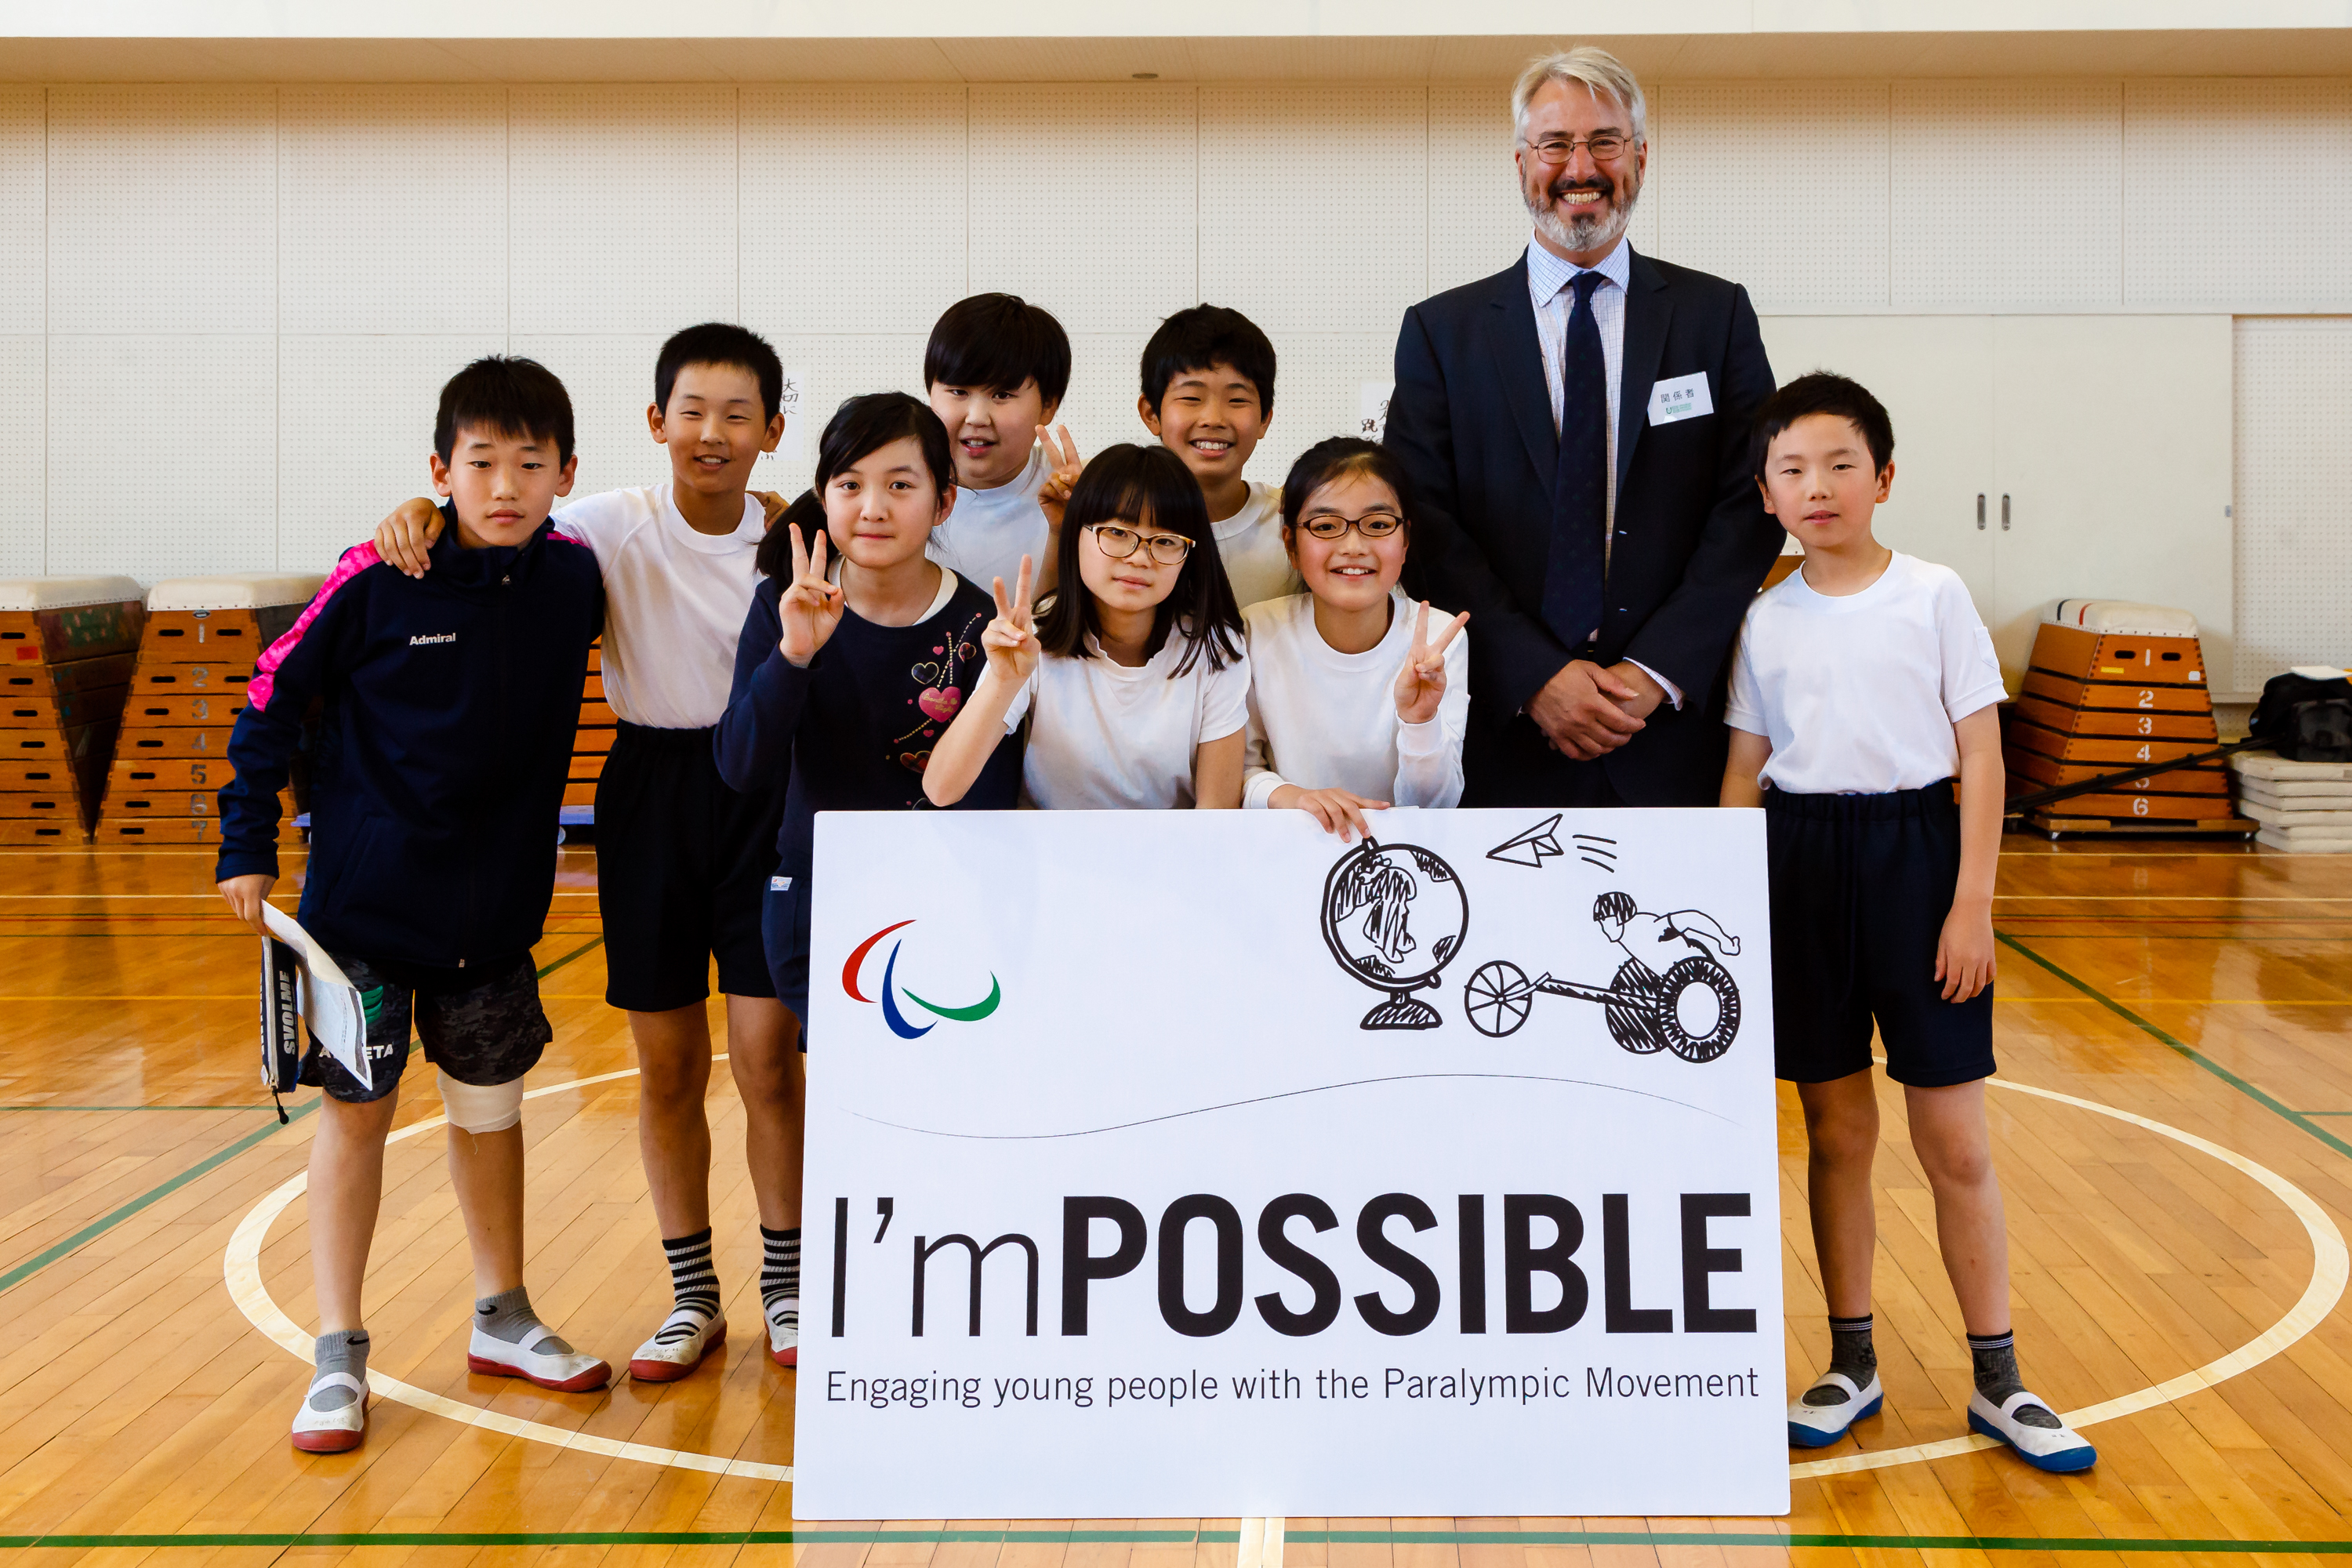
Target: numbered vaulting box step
column 67, row 648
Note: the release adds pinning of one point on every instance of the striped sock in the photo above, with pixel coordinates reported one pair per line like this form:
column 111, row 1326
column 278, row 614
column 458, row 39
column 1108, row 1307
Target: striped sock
column 780, row 1276
column 1998, row 1379
column 1851, row 1354
column 693, row 1282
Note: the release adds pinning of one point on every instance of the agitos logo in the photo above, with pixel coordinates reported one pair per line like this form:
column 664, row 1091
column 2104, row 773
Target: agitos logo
column 892, row 990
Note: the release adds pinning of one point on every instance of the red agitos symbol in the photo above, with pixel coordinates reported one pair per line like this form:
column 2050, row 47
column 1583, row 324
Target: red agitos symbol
column 891, row 990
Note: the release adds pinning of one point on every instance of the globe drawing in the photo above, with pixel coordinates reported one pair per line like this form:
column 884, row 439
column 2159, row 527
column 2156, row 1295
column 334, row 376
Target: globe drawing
column 1393, row 915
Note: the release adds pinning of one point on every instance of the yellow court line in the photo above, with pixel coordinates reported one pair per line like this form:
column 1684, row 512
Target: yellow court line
column 2331, row 1266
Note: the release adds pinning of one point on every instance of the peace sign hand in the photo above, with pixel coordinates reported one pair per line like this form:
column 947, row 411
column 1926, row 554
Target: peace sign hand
column 1062, row 453
column 1420, row 684
column 810, row 608
column 1010, row 638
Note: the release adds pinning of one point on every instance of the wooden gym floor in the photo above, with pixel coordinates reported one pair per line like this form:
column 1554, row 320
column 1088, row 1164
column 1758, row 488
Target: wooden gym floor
column 2174, row 1212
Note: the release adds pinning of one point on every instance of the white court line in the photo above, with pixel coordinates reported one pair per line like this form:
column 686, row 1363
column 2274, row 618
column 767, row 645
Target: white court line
column 2330, row 1266
column 1261, row 1544
column 242, row 1267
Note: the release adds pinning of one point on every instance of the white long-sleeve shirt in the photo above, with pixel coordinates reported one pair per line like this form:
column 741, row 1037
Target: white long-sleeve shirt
column 1321, row 719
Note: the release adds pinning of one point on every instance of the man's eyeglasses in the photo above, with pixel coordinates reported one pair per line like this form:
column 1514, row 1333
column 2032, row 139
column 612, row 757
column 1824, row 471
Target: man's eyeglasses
column 1118, row 543
column 1331, row 525
column 1605, row 148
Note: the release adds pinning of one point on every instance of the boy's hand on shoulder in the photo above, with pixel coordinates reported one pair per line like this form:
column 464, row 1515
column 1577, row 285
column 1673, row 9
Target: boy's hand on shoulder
column 404, row 540
column 772, row 506
column 1964, row 952
column 1010, row 638
column 246, row 895
column 810, row 608
column 1062, row 454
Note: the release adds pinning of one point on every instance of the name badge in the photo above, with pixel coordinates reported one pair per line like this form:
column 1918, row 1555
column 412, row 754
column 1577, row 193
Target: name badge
column 780, row 884
column 1685, row 397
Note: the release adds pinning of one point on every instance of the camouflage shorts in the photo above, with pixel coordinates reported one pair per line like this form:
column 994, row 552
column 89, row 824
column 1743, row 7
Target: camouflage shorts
column 480, row 1026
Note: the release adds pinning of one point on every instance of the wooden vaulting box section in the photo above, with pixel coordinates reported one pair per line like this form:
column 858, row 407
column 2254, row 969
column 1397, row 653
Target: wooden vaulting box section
column 203, row 636
column 594, row 741
column 67, row 646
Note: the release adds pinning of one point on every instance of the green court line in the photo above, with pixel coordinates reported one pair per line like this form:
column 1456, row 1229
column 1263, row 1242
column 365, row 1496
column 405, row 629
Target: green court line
column 1781, row 1539
column 100, row 1226
column 248, row 1105
column 2191, row 1052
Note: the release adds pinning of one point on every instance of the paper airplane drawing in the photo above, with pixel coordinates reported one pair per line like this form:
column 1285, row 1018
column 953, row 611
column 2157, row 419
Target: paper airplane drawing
column 1532, row 848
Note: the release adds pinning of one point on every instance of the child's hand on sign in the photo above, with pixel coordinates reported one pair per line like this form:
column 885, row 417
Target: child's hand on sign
column 404, row 540
column 1339, row 811
column 246, row 895
column 810, row 608
column 1010, row 638
column 1420, row 684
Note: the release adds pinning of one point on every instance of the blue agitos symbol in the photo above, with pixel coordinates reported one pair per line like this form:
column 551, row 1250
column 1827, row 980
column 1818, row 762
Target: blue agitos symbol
column 892, row 990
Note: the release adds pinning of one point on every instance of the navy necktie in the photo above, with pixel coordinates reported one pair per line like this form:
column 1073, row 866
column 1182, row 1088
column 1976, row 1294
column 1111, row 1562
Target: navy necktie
column 1580, row 514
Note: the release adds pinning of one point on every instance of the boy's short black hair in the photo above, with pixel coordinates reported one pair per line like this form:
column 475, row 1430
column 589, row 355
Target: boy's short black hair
column 860, row 426
column 1208, row 335
column 519, row 398
column 1824, row 392
column 721, row 342
column 998, row 340
column 1132, row 484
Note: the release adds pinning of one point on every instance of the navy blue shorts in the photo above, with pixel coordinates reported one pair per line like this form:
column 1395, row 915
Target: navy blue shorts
column 682, row 868
column 1861, row 886
column 785, row 928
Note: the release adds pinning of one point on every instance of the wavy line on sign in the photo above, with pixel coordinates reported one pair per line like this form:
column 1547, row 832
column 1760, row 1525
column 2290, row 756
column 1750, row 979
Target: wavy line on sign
column 1289, row 1094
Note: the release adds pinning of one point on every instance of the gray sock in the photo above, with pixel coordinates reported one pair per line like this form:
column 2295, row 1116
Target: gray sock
column 343, row 1352
column 508, row 1316
column 1851, row 1354
column 1995, row 1356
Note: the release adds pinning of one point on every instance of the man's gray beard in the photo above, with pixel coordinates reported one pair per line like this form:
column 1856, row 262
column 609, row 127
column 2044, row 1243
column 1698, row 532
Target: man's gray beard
column 1584, row 235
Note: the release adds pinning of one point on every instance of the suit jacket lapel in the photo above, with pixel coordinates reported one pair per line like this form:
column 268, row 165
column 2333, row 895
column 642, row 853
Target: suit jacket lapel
column 1520, row 357
column 1649, row 306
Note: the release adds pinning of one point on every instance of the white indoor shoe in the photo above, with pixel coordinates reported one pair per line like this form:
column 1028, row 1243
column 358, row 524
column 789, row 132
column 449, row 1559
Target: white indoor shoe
column 338, row 1430
column 1819, row 1425
column 541, row 1358
column 2059, row 1449
column 671, row 1354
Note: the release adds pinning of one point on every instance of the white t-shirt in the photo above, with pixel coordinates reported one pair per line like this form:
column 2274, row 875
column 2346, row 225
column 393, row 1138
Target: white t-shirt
column 988, row 530
column 1321, row 719
column 1858, row 694
column 1107, row 738
column 674, row 603
column 1250, row 545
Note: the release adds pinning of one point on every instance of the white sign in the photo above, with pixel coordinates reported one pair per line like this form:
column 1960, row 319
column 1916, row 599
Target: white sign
column 1182, row 1164
column 1372, row 408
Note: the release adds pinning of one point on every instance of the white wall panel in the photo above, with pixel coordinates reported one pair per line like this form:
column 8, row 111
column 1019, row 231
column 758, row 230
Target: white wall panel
column 393, row 210
column 24, row 541
column 355, row 432
column 831, row 367
column 1106, row 375
column 610, row 380
column 2268, row 164
column 1084, row 199
column 198, row 490
column 623, row 208
column 2293, row 496
column 855, row 207
column 1314, row 204
column 2006, row 195
column 1782, row 186
column 24, row 158
column 1316, row 394
column 162, row 209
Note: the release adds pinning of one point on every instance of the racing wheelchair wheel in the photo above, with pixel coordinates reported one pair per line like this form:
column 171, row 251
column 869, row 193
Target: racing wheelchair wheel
column 1497, row 998
column 1712, row 976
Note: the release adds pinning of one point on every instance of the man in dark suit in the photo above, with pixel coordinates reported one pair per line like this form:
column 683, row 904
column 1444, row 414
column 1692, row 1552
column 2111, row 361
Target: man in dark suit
column 1577, row 427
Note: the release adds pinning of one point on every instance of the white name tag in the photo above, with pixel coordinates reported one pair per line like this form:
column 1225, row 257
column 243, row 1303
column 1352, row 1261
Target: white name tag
column 1685, row 397
column 780, row 884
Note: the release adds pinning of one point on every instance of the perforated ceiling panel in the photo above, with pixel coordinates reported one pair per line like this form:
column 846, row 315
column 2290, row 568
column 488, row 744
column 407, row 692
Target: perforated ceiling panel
column 623, row 204
column 854, row 203
column 1314, row 203
column 1781, row 187
column 23, row 160
column 2270, row 163
column 1084, row 200
column 163, row 210
column 355, row 434
column 393, row 210
column 2293, row 496
column 198, row 490
column 2007, row 194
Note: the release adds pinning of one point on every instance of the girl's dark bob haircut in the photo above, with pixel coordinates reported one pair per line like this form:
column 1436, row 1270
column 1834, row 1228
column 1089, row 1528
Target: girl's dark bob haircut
column 1130, row 484
column 1343, row 456
column 860, row 427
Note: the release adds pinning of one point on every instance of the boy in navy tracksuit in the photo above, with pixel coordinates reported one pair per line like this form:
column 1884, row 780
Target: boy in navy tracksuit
column 447, row 711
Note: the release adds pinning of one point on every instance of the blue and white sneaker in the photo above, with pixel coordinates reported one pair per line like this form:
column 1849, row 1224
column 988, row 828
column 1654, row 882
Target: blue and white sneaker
column 2059, row 1449
column 1819, row 1425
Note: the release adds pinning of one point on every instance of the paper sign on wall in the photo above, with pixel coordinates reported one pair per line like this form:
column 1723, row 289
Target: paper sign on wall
column 1198, row 1165
column 795, row 406
column 1372, row 409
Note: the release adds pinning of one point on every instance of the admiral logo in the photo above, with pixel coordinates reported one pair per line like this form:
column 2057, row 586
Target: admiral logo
column 421, row 641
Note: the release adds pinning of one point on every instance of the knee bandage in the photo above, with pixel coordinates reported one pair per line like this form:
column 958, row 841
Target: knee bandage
column 481, row 1107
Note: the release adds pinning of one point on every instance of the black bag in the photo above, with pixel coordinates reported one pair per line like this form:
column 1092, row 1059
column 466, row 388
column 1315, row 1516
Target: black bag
column 2306, row 718
column 282, row 1020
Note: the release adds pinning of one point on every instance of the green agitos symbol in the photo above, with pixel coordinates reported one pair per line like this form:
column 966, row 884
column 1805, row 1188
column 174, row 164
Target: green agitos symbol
column 891, row 1015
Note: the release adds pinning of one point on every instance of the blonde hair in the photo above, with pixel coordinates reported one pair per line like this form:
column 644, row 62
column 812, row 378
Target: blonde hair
column 1597, row 70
